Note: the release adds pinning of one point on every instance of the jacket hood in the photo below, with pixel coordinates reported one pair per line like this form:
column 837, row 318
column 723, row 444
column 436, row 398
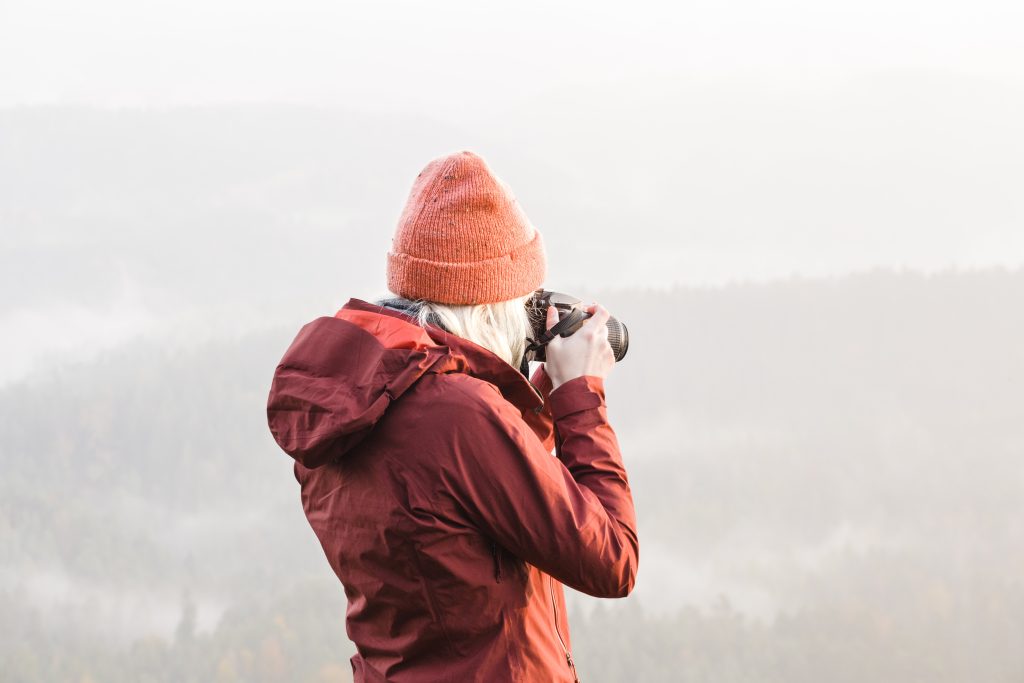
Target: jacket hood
column 340, row 374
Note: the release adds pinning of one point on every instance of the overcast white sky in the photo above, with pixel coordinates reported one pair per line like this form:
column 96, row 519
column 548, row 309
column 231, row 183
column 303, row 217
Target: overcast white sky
column 724, row 140
column 458, row 58
column 920, row 82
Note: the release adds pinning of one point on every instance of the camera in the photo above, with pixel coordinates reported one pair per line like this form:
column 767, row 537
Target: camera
column 571, row 314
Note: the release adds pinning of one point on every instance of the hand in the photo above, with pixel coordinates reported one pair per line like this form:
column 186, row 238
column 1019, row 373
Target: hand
column 584, row 352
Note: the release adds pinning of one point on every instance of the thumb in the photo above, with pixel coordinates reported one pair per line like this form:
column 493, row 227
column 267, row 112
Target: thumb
column 552, row 317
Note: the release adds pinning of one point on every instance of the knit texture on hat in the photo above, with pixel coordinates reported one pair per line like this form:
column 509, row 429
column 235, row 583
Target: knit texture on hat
column 463, row 238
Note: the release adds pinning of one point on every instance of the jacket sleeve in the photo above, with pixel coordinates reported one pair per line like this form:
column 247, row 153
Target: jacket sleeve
column 570, row 516
column 541, row 422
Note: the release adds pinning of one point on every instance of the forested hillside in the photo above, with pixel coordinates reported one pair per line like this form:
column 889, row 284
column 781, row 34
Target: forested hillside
column 829, row 477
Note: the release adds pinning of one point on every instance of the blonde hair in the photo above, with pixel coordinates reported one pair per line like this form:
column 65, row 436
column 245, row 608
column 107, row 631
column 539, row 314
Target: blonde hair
column 500, row 327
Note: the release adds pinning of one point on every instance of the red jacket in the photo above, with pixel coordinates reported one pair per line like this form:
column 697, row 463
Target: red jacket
column 426, row 472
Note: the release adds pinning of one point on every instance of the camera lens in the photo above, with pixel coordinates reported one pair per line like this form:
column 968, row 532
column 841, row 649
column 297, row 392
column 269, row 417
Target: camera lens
column 618, row 338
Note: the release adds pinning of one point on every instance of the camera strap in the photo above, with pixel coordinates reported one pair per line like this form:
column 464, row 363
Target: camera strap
column 561, row 328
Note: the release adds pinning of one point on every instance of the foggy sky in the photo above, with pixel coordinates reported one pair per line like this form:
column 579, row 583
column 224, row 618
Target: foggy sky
column 462, row 59
column 695, row 144
column 737, row 140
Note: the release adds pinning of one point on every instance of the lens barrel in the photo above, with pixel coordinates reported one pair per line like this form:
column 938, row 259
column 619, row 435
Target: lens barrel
column 618, row 338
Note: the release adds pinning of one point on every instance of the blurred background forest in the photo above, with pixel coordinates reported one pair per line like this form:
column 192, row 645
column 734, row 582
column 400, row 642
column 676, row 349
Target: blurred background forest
column 828, row 478
column 809, row 214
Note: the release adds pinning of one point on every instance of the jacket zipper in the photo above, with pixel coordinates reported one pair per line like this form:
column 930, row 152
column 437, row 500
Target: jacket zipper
column 554, row 609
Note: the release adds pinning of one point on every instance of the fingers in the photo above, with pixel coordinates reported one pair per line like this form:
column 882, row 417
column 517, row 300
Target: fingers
column 599, row 316
column 596, row 324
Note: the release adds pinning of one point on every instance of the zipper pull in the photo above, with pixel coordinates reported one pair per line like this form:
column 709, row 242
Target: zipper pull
column 568, row 658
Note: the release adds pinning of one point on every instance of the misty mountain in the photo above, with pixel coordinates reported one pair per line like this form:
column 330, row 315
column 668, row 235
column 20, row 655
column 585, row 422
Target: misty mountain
column 833, row 463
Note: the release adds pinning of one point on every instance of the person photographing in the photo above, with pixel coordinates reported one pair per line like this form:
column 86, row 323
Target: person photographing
column 423, row 451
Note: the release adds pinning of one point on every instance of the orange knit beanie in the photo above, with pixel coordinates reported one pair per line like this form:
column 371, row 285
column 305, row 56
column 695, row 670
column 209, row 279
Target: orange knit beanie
column 463, row 238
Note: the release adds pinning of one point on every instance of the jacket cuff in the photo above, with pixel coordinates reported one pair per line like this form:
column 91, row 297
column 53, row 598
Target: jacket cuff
column 542, row 381
column 576, row 395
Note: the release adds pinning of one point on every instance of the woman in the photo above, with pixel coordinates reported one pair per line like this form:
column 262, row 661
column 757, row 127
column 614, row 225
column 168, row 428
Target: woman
column 424, row 454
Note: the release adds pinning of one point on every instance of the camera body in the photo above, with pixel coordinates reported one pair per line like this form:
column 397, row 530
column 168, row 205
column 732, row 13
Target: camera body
column 571, row 314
